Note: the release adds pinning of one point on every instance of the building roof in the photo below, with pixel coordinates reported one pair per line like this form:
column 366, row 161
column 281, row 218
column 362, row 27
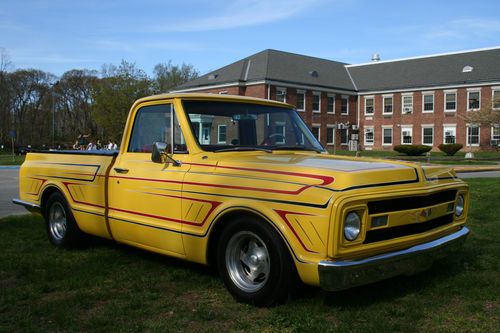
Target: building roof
column 410, row 73
column 273, row 65
column 428, row 71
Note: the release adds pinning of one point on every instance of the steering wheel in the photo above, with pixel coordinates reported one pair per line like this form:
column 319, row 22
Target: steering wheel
column 269, row 139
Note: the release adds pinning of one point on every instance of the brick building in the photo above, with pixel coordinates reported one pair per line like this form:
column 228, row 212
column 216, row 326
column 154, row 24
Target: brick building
column 376, row 105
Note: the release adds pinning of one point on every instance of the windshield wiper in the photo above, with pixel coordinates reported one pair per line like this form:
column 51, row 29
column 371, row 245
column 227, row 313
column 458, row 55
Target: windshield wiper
column 242, row 149
column 296, row 148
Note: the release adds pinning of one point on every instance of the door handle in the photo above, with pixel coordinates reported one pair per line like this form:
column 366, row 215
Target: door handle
column 120, row 170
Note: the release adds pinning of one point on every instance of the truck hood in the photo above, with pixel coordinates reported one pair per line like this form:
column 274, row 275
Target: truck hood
column 334, row 172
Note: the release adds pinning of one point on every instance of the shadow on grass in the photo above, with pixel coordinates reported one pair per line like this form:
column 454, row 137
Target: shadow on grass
column 386, row 291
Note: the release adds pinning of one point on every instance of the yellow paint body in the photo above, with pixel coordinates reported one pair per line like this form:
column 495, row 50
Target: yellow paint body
column 305, row 196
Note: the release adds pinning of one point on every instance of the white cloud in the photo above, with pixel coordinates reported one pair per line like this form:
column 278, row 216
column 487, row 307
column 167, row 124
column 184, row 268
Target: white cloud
column 240, row 13
column 462, row 29
column 135, row 46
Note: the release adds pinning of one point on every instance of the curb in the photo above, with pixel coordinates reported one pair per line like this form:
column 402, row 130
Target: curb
column 9, row 167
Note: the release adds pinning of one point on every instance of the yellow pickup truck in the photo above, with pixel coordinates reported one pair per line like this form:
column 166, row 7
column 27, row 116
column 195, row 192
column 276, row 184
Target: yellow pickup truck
column 242, row 184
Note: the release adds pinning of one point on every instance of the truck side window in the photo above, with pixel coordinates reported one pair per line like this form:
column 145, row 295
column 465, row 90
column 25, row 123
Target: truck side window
column 154, row 123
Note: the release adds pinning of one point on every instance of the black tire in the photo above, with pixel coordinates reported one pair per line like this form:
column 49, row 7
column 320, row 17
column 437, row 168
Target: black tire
column 62, row 229
column 254, row 263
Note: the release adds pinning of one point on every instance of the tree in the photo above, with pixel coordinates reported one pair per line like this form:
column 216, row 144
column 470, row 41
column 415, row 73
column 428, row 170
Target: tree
column 31, row 105
column 73, row 104
column 5, row 119
column 115, row 92
column 168, row 76
column 487, row 115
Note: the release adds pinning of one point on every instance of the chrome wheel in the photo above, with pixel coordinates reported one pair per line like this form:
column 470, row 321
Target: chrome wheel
column 247, row 261
column 57, row 221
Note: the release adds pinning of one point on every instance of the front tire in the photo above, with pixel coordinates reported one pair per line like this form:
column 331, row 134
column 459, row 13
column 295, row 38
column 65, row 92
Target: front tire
column 62, row 229
column 254, row 262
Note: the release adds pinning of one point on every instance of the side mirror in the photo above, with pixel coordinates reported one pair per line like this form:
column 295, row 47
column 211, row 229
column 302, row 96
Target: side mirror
column 160, row 155
column 159, row 152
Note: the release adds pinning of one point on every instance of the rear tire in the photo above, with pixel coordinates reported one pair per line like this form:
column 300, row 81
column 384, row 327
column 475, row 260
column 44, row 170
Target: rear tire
column 62, row 229
column 254, row 263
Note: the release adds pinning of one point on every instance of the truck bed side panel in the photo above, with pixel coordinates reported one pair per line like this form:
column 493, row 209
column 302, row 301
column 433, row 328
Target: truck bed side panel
column 82, row 178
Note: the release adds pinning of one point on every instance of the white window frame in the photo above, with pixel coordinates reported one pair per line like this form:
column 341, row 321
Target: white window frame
column 281, row 91
column 328, row 127
column 315, row 93
column 367, row 129
column 318, row 126
column 403, row 103
column 497, row 139
column 403, row 128
column 218, row 133
column 283, row 133
column 347, row 105
column 473, row 90
column 383, row 136
column 373, row 105
column 427, row 127
column 327, row 97
column 383, row 104
column 446, row 93
column 428, row 93
column 449, row 127
column 493, row 90
column 469, row 126
column 302, row 92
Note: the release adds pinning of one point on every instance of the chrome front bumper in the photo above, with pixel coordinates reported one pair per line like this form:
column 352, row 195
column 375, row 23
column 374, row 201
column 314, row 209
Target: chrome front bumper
column 339, row 275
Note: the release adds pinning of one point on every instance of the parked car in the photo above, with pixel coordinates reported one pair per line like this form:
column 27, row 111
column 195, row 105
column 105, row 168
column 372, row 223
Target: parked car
column 242, row 184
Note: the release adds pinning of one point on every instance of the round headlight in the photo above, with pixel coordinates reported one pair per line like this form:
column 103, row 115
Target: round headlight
column 459, row 205
column 352, row 226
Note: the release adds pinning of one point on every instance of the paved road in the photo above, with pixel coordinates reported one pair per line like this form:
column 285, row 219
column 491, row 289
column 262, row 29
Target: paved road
column 483, row 174
column 9, row 188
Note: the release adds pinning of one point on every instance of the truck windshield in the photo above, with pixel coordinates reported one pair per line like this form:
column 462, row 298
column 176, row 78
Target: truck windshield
column 228, row 126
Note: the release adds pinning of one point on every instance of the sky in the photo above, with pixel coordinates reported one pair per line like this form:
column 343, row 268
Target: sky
column 60, row 35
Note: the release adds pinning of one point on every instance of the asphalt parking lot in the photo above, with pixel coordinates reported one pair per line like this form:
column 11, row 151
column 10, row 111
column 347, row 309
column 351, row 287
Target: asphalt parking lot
column 9, row 188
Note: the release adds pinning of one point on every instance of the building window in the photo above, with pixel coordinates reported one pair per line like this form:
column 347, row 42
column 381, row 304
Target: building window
column 387, row 105
column 407, row 104
column 281, row 94
column 495, row 136
column 330, row 135
column 428, row 103
column 279, row 130
column 344, row 136
column 387, row 136
column 449, row 134
column 369, row 105
column 316, row 102
column 221, row 134
column 450, row 101
column 495, row 96
column 406, row 135
column 316, row 131
column 344, row 107
column 301, row 100
column 472, row 135
column 474, row 100
column 369, row 137
column 330, row 104
column 428, row 136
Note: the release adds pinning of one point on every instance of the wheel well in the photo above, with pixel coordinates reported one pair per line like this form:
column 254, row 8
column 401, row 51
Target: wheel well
column 219, row 226
column 46, row 195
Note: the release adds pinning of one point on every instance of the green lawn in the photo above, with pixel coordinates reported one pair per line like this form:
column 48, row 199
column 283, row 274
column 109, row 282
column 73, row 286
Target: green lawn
column 8, row 159
column 113, row 288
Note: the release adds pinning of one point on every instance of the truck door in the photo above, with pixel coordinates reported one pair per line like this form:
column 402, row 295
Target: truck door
column 145, row 197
